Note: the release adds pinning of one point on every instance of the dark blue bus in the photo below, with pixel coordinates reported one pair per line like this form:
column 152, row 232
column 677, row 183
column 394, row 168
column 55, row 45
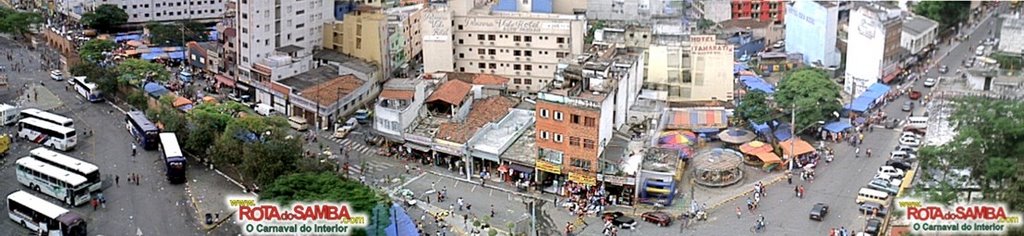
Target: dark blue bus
column 144, row 131
column 174, row 159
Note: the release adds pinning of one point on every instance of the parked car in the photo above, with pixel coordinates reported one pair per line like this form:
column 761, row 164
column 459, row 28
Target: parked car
column 914, row 95
column 263, row 109
column 884, row 186
column 819, row 211
column 873, row 226
column 898, row 164
column 892, row 179
column 908, row 106
column 902, row 156
column 343, row 130
column 969, row 63
column 943, row 69
column 869, row 208
column 910, row 142
column 910, row 134
column 930, row 82
column 56, row 75
column 905, row 148
column 657, row 217
column 891, row 171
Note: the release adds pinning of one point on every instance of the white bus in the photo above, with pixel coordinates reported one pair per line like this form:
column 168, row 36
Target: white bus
column 88, row 90
column 174, row 159
column 70, row 188
column 48, row 134
column 49, row 117
column 68, row 163
column 40, row 215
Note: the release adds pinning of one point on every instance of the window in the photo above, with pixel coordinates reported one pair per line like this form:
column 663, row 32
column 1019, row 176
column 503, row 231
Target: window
column 580, row 163
column 460, row 27
column 517, row 81
column 527, row 81
column 481, row 51
column 517, row 38
column 558, row 138
column 359, row 43
column 299, row 12
column 588, row 144
column 359, row 30
column 528, row 53
column 460, row 41
column 481, row 65
column 527, row 67
column 574, row 118
column 517, row 53
column 480, row 37
column 545, row 135
column 560, row 40
column 589, row 122
column 516, row 67
column 490, row 37
column 493, row 66
column 558, row 115
column 462, row 55
column 491, row 51
column 544, row 113
column 561, row 54
column 527, row 39
column 299, row 26
column 574, row 141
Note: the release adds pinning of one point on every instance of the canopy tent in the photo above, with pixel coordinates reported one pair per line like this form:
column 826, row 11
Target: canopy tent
column 127, row 37
column 782, row 133
column 134, row 43
column 154, row 89
column 401, row 223
column 761, row 128
column 181, row 101
column 755, row 147
column 768, row 157
column 800, row 147
column 838, row 126
column 736, row 68
column 677, row 137
column 695, row 118
column 736, row 136
column 153, row 55
column 177, row 55
column 879, row 87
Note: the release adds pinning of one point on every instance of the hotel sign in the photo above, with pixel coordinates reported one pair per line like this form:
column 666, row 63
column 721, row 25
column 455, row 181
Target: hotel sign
column 437, row 26
column 515, row 25
column 715, row 49
column 548, row 167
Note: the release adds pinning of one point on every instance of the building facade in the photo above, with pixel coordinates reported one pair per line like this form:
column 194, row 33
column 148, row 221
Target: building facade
column 405, row 42
column 716, row 11
column 811, row 29
column 1011, row 34
column 698, row 70
column 522, row 45
column 141, row 12
column 769, row 10
column 918, row 33
column 874, row 34
column 399, row 105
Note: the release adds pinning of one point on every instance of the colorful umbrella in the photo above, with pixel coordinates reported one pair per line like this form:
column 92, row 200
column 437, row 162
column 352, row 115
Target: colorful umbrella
column 680, row 137
column 755, row 147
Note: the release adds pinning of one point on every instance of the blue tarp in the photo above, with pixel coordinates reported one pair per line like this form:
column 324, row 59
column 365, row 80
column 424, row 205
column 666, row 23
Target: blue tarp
column 761, row 128
column 782, row 132
column 860, row 104
column 154, row 89
column 756, row 83
column 736, row 68
column 838, row 126
column 213, row 35
column 176, row 55
column 151, row 55
column 122, row 38
column 401, row 223
column 879, row 87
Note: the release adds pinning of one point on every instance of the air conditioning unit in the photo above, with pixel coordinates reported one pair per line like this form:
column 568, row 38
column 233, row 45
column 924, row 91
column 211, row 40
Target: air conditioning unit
column 528, row 59
column 517, row 58
column 492, row 43
column 517, row 44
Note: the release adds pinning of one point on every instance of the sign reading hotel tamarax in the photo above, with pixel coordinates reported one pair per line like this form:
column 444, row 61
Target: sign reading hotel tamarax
column 300, row 218
column 515, row 25
column 967, row 219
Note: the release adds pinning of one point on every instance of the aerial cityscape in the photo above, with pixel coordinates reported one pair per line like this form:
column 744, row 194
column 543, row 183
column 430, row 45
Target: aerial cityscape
column 511, row 117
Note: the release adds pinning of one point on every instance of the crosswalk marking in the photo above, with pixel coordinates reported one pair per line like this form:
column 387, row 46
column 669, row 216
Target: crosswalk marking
column 355, row 169
column 351, row 146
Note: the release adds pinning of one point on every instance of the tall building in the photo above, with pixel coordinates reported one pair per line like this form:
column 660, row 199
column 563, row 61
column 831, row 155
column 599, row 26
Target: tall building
column 918, row 33
column 276, row 40
column 874, row 42
column 140, row 12
column 766, row 10
column 405, row 44
column 510, row 38
column 1011, row 34
column 695, row 69
column 811, row 29
column 716, row 11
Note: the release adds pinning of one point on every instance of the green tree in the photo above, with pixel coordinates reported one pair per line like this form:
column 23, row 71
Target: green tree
column 1009, row 62
column 593, row 28
column 105, row 78
column 755, row 107
column 207, row 121
column 947, row 13
column 106, row 18
column 138, row 100
column 311, row 187
column 135, row 71
column 262, row 142
column 18, row 23
column 811, row 93
column 92, row 50
column 176, row 34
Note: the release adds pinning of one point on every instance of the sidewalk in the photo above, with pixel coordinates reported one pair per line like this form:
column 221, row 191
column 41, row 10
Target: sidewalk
column 207, row 190
column 36, row 96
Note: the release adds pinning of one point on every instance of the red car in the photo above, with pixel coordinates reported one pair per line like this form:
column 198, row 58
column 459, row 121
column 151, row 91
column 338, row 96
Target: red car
column 914, row 95
column 657, row 217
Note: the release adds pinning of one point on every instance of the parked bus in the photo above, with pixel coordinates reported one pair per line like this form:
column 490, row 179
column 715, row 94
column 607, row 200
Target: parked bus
column 88, row 90
column 48, row 134
column 49, row 117
column 174, row 159
column 8, row 114
column 42, row 216
column 144, row 131
column 70, row 188
column 68, row 163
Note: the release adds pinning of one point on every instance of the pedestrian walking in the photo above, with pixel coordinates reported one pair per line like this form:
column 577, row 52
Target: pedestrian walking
column 133, row 149
column 461, row 203
column 492, row 211
column 103, row 201
column 94, row 203
column 868, row 152
column 117, row 180
column 789, row 177
column 451, row 207
column 856, row 152
column 469, row 207
column 739, row 213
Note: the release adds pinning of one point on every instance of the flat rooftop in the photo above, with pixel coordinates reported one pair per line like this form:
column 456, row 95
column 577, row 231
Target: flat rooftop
column 346, row 61
column 494, row 137
column 524, row 149
column 311, row 78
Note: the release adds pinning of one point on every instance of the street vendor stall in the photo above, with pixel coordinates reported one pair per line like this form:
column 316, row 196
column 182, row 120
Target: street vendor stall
column 797, row 149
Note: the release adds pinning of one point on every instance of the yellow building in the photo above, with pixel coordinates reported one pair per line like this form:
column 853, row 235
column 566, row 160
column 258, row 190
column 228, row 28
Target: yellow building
column 361, row 35
column 699, row 70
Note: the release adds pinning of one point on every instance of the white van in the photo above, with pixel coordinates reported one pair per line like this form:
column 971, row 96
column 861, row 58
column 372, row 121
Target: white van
column 298, row 123
column 980, row 51
column 871, row 195
column 263, row 109
column 8, row 114
column 917, row 122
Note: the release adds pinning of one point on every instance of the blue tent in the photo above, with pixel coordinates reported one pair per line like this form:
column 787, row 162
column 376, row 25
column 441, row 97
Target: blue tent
column 176, row 55
column 761, row 128
column 151, row 55
column 154, row 89
column 127, row 37
column 782, row 133
column 860, row 104
column 736, row 68
column 401, row 223
column 879, row 87
column 756, row 83
column 838, row 126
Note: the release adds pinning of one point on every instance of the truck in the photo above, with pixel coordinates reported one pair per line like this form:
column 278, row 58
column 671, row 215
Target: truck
column 9, row 114
column 363, row 116
column 5, row 144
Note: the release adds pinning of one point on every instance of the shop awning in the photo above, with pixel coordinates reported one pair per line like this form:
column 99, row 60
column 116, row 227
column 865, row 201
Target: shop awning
column 789, row 148
column 521, row 168
column 695, row 118
column 838, row 126
column 891, row 76
column 225, row 80
column 768, row 157
column 417, row 147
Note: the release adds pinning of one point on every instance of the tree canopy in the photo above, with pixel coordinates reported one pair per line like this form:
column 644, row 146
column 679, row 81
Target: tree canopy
column 135, row 71
column 755, row 107
column 811, row 93
column 322, row 186
column 947, row 13
column 263, row 142
column 106, row 18
column 17, row 23
column 176, row 34
column 989, row 140
column 105, row 78
column 92, row 50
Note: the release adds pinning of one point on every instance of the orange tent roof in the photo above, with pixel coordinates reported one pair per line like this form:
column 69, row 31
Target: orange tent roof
column 795, row 149
column 768, row 157
column 181, row 101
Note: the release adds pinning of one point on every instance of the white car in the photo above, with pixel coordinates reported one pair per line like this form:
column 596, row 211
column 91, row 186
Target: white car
column 890, row 171
column 910, row 142
column 343, row 130
column 929, row 82
column 903, row 156
column 56, row 75
column 905, row 148
column 910, row 134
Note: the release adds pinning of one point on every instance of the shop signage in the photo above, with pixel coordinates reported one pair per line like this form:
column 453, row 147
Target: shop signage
column 438, row 26
column 714, row 49
column 616, row 180
column 583, row 178
column 515, row 25
column 448, row 147
column 548, row 167
column 702, row 39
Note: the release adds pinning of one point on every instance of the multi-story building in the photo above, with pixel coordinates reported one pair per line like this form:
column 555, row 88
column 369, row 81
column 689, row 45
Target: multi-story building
column 918, row 33
column 767, row 10
column 399, row 105
column 694, row 71
column 140, row 12
column 509, row 39
column 811, row 29
column 1011, row 34
column 716, row 11
column 276, row 41
column 405, row 42
column 874, row 37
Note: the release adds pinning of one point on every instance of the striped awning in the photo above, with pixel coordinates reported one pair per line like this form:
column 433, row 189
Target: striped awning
column 696, row 118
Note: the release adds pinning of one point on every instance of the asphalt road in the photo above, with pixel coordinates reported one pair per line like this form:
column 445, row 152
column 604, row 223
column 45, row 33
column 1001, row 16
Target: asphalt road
column 152, row 208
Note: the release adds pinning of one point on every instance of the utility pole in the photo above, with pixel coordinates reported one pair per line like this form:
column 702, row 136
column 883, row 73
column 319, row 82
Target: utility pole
column 792, row 143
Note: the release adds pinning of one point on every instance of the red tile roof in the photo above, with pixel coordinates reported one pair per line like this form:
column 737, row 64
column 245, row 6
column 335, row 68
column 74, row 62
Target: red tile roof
column 452, row 92
column 489, row 79
column 485, row 110
column 330, row 91
column 397, row 94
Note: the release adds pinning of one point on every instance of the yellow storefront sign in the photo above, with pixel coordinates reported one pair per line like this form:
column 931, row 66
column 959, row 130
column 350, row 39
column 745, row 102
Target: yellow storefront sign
column 585, row 179
column 548, row 167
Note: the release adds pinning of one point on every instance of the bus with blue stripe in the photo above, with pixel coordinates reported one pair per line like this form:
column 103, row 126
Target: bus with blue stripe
column 144, row 131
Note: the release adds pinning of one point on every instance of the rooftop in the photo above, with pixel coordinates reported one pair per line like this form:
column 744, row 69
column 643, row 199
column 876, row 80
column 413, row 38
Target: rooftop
column 662, row 160
column 210, row 46
column 494, row 136
column 524, row 149
column 483, row 111
column 452, row 92
column 289, row 49
column 333, row 90
column 345, row 61
column 311, row 78
column 745, row 23
column 478, row 78
column 400, row 94
column 918, row 25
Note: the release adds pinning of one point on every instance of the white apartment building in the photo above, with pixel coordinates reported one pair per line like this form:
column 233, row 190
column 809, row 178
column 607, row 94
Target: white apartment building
column 398, row 105
column 918, row 32
column 140, row 12
column 511, row 42
column 874, row 42
column 1011, row 34
column 276, row 39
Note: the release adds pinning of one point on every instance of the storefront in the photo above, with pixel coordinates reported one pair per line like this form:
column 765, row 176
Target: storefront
column 621, row 189
column 549, row 177
column 449, row 155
